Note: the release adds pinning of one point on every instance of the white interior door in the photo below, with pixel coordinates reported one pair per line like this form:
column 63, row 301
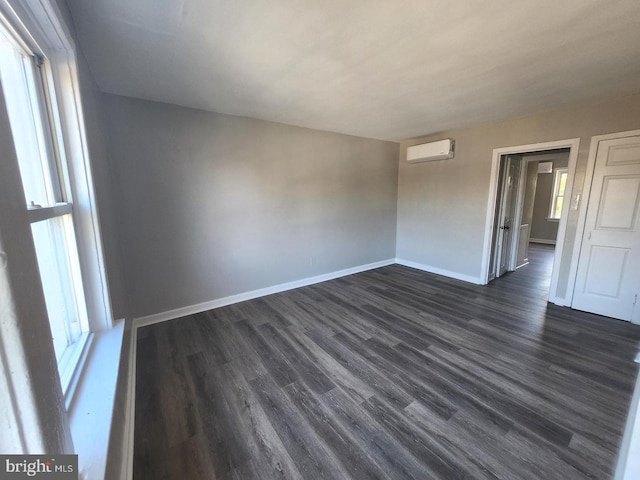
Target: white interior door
column 608, row 275
column 522, row 258
column 506, row 247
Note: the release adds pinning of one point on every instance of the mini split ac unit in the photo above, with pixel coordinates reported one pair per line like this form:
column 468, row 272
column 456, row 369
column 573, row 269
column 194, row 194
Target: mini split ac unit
column 427, row 152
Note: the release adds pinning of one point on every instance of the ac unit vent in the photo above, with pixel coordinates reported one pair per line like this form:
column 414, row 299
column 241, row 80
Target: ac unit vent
column 428, row 152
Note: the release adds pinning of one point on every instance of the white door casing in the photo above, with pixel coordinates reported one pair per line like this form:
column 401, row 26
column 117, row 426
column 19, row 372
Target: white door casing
column 557, row 292
column 608, row 272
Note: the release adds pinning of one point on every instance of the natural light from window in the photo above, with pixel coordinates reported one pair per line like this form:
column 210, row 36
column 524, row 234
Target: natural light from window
column 47, row 198
column 557, row 198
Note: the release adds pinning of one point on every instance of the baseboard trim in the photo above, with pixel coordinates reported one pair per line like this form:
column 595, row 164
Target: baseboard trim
column 439, row 271
column 628, row 463
column 262, row 292
column 126, row 471
column 126, row 465
column 129, row 422
column 542, row 240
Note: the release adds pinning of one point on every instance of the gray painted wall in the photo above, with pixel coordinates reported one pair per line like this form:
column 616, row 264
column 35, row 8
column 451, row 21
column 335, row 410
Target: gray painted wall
column 212, row 205
column 442, row 205
column 541, row 228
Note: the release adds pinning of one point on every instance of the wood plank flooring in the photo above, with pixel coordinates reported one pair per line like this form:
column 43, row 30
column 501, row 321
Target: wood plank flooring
column 387, row 374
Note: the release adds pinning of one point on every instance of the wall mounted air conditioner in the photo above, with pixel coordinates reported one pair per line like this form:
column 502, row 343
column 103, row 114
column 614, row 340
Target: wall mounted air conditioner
column 427, row 152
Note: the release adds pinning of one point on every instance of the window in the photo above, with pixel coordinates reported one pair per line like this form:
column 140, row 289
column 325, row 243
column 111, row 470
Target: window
column 557, row 194
column 48, row 199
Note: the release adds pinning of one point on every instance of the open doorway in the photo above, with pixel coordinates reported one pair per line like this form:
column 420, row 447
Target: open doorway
column 529, row 202
column 531, row 192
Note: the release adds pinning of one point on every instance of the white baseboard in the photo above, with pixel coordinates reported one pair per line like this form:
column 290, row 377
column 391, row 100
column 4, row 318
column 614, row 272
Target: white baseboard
column 126, row 465
column 127, row 461
column 127, row 447
column 628, row 466
column 439, row 271
column 241, row 297
column 542, row 240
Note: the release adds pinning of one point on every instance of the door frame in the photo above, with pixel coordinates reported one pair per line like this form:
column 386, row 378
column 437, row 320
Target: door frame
column 573, row 145
column 523, row 178
column 582, row 211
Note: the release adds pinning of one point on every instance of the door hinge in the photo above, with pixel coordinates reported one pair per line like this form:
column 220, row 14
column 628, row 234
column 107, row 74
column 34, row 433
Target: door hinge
column 39, row 59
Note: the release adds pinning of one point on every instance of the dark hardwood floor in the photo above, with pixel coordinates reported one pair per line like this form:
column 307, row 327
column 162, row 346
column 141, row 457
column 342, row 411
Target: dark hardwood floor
column 392, row 373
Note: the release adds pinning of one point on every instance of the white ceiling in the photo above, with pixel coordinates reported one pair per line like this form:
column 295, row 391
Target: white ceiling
column 390, row 69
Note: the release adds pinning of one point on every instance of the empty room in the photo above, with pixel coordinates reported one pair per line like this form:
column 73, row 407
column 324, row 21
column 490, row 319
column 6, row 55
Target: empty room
column 304, row 239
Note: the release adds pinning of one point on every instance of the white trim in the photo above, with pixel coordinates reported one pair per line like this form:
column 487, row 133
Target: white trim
column 517, row 223
column 18, row 34
column 126, row 464
column 488, row 226
column 556, row 300
column 582, row 214
column 241, row 297
column 628, row 464
column 542, row 240
column 39, row 214
column 439, row 271
column 48, row 33
column 126, row 471
column 573, row 144
column 73, row 146
column 522, row 193
column 43, row 19
column 91, row 414
column 71, row 373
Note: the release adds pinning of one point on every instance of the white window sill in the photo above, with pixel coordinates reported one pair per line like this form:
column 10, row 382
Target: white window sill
column 71, row 366
column 91, row 410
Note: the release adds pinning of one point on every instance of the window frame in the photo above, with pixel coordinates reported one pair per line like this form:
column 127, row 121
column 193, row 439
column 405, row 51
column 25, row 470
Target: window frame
column 557, row 176
column 38, row 30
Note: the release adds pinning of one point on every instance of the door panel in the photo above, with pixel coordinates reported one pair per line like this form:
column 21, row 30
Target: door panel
column 507, row 249
column 605, row 270
column 608, row 277
column 619, row 203
column 523, row 246
column 623, row 153
column 506, row 220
